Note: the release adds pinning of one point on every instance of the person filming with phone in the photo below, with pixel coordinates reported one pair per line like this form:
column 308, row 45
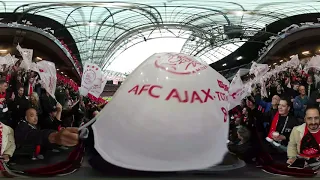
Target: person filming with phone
column 305, row 139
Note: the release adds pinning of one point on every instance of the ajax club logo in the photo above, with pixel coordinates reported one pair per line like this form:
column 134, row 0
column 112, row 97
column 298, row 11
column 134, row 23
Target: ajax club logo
column 179, row 64
column 90, row 74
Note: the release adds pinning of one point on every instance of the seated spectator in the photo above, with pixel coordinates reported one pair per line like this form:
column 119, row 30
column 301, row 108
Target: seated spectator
column 281, row 125
column 8, row 145
column 34, row 103
column 5, row 101
column 243, row 148
column 29, row 137
column 300, row 103
column 310, row 85
column 314, row 100
column 305, row 139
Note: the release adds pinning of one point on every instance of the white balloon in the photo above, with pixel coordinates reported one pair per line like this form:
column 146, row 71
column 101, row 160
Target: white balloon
column 169, row 115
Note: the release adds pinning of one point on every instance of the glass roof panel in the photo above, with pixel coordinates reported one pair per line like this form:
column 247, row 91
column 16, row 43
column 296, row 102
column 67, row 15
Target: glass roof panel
column 104, row 30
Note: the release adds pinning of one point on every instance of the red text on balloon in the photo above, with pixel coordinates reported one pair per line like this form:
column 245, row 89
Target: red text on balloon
column 182, row 96
column 147, row 87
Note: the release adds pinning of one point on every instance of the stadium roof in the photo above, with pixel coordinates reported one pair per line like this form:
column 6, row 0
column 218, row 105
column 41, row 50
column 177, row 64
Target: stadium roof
column 212, row 29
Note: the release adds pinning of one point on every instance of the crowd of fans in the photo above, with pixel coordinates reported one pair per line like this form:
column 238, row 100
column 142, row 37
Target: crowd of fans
column 286, row 123
column 33, row 122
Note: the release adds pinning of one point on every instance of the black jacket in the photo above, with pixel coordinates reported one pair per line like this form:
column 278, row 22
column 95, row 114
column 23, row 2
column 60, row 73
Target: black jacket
column 286, row 131
column 25, row 134
column 313, row 99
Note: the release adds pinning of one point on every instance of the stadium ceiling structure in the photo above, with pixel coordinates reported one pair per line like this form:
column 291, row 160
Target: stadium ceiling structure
column 212, row 29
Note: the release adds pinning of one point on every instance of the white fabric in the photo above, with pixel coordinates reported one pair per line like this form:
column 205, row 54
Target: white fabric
column 262, row 74
column 237, row 91
column 156, row 121
column 27, row 56
column 33, row 67
column 7, row 59
column 258, row 69
column 313, row 63
column 48, row 75
column 98, row 87
column 90, row 74
column 263, row 88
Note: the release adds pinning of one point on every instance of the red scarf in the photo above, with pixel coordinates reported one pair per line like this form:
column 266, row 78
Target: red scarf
column 30, row 89
column 8, row 77
column 274, row 124
column 1, row 128
column 2, row 95
column 311, row 152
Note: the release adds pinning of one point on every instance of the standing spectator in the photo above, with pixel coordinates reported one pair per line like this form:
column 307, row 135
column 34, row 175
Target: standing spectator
column 35, row 103
column 19, row 107
column 310, row 85
column 300, row 103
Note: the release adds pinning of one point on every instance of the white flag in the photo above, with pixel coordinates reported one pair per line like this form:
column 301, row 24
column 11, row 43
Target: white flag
column 8, row 60
column 313, row 63
column 237, row 91
column 27, row 55
column 34, row 67
column 154, row 123
column 259, row 69
column 294, row 62
column 263, row 89
column 48, row 75
column 98, row 87
column 90, row 74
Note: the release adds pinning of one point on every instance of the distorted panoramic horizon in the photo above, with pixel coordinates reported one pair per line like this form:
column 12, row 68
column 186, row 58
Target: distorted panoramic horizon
column 134, row 56
column 131, row 58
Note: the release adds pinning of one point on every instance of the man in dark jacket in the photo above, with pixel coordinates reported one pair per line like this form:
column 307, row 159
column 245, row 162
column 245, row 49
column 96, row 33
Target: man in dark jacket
column 314, row 100
column 282, row 123
column 53, row 120
column 47, row 103
column 19, row 107
column 28, row 134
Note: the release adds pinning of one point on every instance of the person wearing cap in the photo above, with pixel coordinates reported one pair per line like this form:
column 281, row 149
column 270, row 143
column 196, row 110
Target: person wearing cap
column 30, row 138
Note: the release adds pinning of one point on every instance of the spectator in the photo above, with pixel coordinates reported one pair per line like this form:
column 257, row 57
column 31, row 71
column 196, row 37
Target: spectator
column 28, row 135
column 300, row 103
column 53, row 121
column 35, row 103
column 243, row 149
column 282, row 123
column 19, row 107
column 305, row 137
column 8, row 145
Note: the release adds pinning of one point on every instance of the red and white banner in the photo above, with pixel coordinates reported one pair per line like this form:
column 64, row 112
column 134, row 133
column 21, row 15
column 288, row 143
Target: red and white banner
column 91, row 73
column 237, row 91
column 98, row 87
column 48, row 75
